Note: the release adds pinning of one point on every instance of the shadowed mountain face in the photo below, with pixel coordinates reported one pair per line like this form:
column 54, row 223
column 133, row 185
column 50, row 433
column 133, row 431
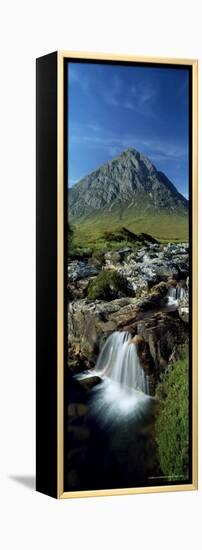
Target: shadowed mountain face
column 127, row 182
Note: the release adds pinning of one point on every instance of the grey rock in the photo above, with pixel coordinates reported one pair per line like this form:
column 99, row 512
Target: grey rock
column 81, row 270
column 149, row 265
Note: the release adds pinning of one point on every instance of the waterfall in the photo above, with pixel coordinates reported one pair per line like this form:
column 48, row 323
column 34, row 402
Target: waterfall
column 124, row 390
column 118, row 361
column 180, row 293
column 175, row 294
column 172, row 292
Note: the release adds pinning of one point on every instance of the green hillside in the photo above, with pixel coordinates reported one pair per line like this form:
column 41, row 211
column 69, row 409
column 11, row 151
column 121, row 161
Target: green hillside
column 163, row 227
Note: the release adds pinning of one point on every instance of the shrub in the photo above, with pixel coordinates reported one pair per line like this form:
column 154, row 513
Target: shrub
column 98, row 257
column 172, row 424
column 79, row 253
column 107, row 286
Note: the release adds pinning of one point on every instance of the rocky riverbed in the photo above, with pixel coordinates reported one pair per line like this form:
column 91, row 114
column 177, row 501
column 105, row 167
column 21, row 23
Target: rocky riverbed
column 154, row 306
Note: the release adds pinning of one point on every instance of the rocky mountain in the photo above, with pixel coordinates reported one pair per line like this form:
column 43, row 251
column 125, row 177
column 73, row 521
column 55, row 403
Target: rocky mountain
column 129, row 182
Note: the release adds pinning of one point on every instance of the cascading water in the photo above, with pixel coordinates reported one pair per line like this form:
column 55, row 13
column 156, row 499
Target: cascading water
column 175, row 294
column 119, row 417
column 181, row 292
column 118, row 360
column 123, row 394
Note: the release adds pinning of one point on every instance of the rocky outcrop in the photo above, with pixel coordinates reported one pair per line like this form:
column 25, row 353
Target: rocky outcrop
column 157, row 315
column 163, row 333
column 91, row 322
column 183, row 308
column 143, row 268
column 80, row 273
column 78, row 289
column 160, row 332
column 148, row 266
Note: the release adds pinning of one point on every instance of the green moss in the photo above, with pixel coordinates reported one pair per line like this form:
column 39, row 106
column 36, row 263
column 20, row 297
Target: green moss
column 107, row 285
column 98, row 257
column 172, row 425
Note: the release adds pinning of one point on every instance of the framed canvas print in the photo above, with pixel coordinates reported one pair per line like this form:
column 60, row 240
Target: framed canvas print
column 116, row 275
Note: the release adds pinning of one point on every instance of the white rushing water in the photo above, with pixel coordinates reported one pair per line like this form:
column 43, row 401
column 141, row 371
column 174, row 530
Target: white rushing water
column 175, row 294
column 119, row 361
column 124, row 391
column 123, row 394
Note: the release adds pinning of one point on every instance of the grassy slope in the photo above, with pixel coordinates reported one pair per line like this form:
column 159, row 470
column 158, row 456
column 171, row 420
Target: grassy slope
column 164, row 227
column 172, row 426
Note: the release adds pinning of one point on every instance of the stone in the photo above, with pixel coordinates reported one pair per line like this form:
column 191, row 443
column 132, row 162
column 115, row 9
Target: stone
column 183, row 310
column 163, row 332
column 150, row 265
column 81, row 270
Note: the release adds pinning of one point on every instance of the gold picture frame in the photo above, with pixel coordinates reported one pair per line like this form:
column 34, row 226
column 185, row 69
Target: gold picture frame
column 61, row 56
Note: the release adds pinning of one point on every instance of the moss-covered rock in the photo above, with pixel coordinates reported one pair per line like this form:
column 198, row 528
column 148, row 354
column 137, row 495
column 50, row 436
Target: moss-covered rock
column 108, row 285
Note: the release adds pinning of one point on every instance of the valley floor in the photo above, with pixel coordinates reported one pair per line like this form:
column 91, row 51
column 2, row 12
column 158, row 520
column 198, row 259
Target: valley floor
column 163, row 227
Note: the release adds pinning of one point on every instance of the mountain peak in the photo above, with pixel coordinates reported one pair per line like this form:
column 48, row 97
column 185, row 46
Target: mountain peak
column 138, row 159
column 131, row 151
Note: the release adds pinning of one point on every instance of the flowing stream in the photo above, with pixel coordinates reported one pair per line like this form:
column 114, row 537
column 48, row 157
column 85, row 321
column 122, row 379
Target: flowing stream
column 120, row 448
column 124, row 388
column 118, row 360
column 175, row 294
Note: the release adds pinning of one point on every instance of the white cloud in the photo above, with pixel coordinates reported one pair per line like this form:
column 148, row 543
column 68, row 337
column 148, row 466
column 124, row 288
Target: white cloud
column 146, row 95
column 159, row 150
column 75, row 77
column 139, row 98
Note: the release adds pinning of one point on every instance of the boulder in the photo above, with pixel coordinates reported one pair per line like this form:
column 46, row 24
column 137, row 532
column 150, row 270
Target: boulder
column 89, row 323
column 78, row 289
column 183, row 309
column 81, row 270
column 163, row 332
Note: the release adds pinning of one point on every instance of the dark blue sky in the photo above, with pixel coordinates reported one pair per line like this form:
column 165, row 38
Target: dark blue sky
column 113, row 107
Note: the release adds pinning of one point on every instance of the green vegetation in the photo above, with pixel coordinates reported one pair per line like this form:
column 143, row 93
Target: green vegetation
column 75, row 251
column 79, row 253
column 98, row 257
column 91, row 238
column 172, row 425
column 77, row 248
column 70, row 235
column 104, row 232
column 106, row 286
